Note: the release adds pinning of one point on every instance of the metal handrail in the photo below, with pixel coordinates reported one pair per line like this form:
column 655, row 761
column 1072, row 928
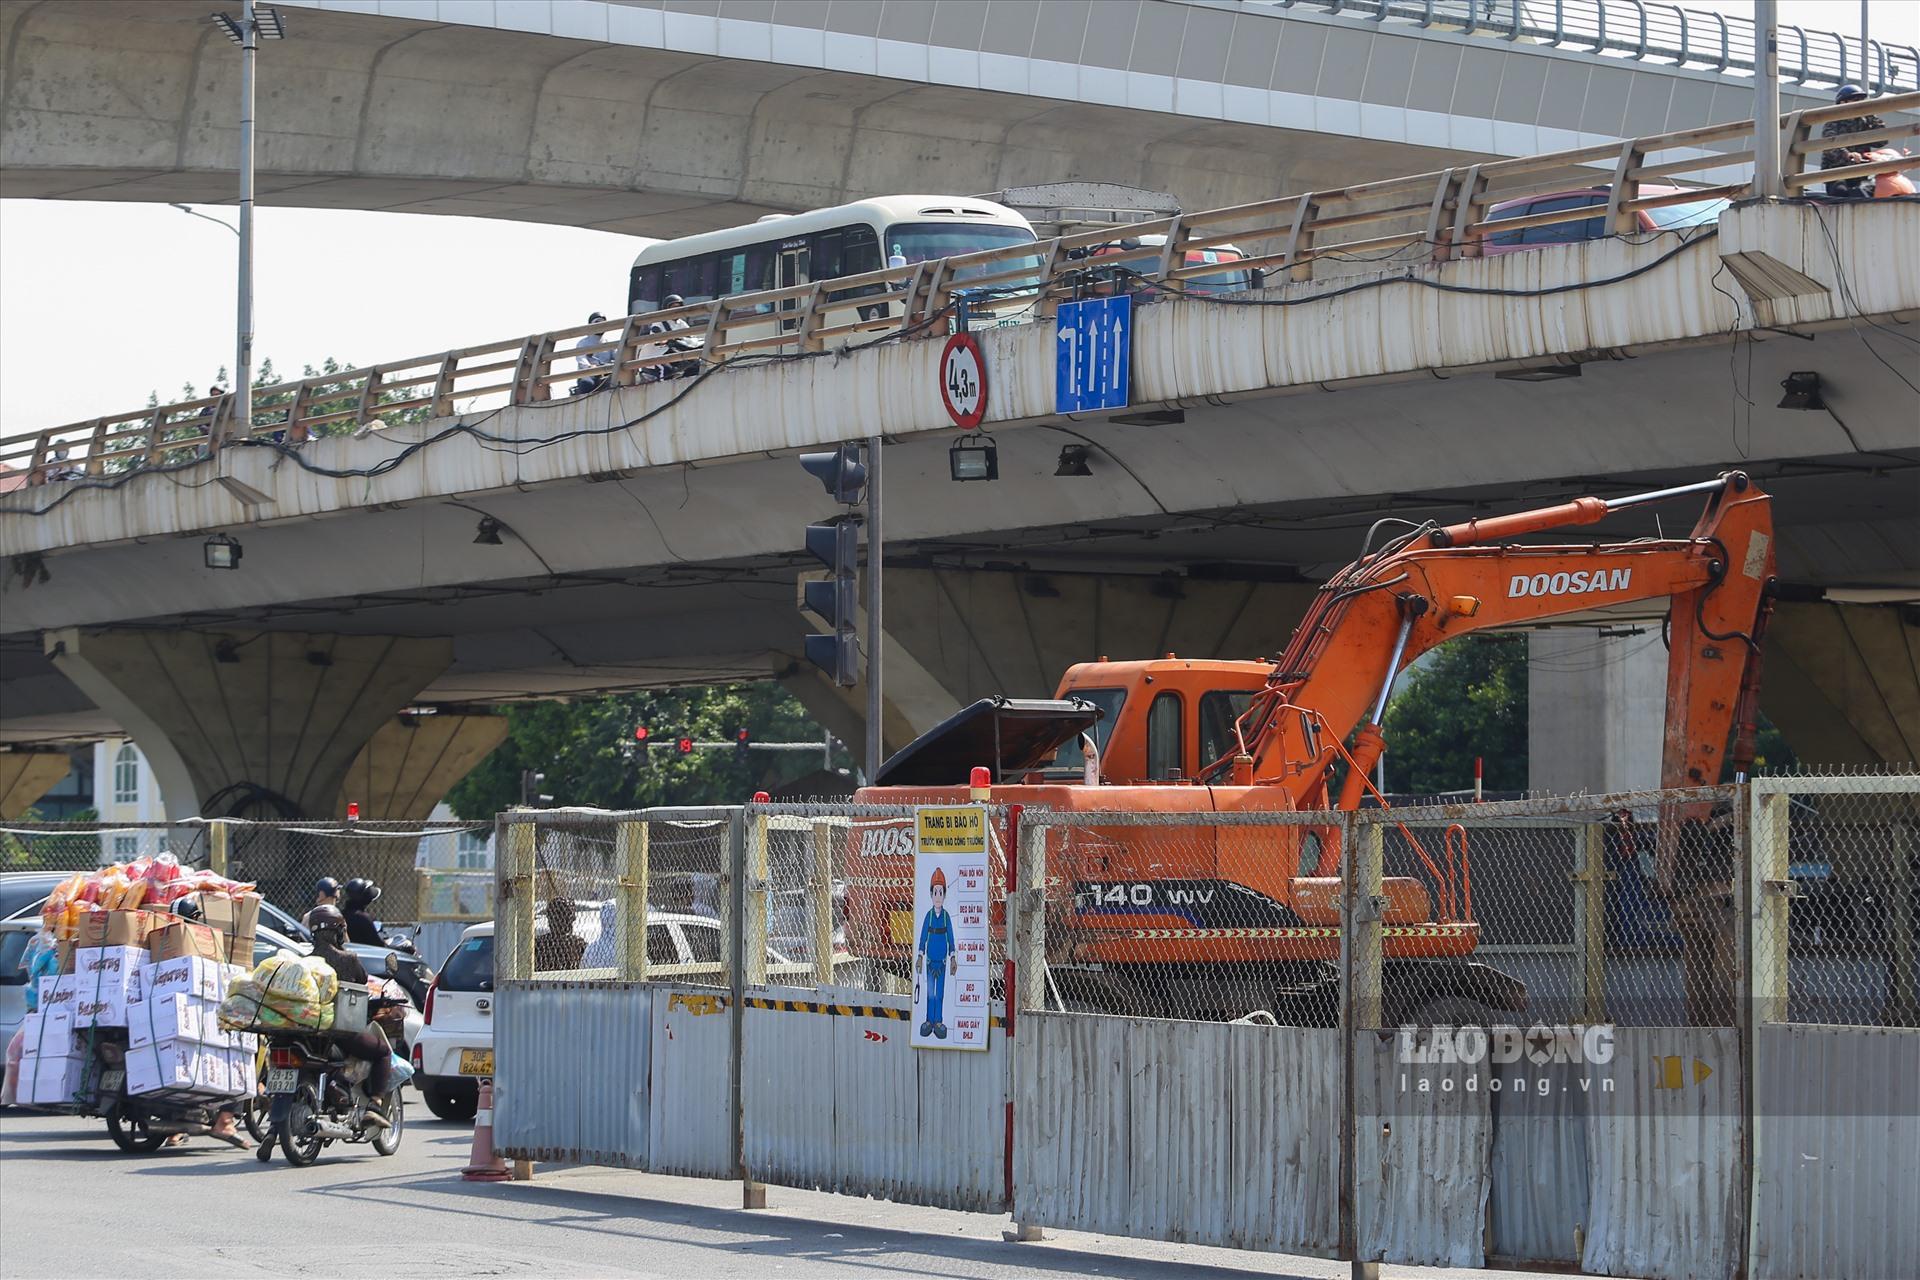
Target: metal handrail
column 1440, row 215
column 1643, row 30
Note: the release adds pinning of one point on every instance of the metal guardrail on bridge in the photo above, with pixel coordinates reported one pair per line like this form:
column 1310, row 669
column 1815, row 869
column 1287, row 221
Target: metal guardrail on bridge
column 1644, row 30
column 1433, row 216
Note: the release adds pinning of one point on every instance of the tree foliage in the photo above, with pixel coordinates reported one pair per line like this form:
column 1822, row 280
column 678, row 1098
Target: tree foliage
column 587, row 750
column 1469, row 700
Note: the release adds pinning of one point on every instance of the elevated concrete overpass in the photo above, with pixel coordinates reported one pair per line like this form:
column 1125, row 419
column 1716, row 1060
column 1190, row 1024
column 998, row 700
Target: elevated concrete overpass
column 650, row 533
column 662, row 117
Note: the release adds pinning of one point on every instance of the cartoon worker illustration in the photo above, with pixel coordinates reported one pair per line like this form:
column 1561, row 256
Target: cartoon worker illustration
column 937, row 957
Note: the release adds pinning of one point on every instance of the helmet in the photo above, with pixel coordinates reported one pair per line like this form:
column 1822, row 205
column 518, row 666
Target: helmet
column 326, row 887
column 595, row 318
column 189, row 909
column 322, row 919
column 1848, row 92
column 672, row 300
column 938, row 881
column 361, row 892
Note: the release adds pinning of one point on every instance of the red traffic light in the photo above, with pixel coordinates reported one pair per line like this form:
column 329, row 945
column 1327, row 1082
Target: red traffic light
column 742, row 737
column 640, row 733
column 686, row 746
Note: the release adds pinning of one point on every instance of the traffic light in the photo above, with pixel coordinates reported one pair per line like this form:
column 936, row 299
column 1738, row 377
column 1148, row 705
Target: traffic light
column 640, row 734
column 842, row 472
column 835, row 599
column 684, row 745
column 742, row 743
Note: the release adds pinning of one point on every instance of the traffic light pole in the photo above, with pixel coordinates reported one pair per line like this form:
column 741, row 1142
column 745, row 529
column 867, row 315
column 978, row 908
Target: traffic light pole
column 874, row 628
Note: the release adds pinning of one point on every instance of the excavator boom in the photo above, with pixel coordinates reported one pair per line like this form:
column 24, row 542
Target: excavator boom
column 1438, row 583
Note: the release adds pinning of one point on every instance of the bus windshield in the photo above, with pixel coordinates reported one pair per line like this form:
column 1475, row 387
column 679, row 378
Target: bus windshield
column 926, row 241
column 1216, row 281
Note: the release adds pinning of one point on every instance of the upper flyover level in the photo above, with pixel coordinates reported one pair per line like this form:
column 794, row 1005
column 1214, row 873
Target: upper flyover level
column 662, row 117
column 1608, row 357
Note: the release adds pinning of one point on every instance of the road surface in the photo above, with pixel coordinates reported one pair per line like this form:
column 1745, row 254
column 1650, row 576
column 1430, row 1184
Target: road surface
column 72, row 1205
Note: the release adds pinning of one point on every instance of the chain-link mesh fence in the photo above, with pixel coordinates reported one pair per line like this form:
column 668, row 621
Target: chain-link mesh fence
column 1836, row 867
column 283, row 860
column 1625, row 909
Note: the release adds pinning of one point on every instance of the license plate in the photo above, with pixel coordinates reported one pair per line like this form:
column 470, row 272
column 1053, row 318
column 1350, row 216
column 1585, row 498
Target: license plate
column 283, row 1079
column 900, row 927
column 476, row 1062
column 113, row 1081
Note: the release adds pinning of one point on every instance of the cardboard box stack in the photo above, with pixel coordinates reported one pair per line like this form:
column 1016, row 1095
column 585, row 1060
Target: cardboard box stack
column 53, row 1061
column 174, row 1038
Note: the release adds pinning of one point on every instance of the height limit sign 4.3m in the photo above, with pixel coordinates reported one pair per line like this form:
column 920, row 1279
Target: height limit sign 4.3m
column 963, row 380
column 1093, row 355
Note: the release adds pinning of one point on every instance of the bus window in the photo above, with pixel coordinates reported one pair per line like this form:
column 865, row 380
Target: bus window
column 645, row 294
column 926, row 241
column 691, row 278
column 1163, row 738
column 1070, row 757
column 1219, row 708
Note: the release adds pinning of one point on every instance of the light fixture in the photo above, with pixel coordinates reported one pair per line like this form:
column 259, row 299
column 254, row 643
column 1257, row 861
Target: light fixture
column 267, row 22
column 489, row 534
column 974, row 458
column 1073, row 461
column 1802, row 392
column 1540, row 373
column 1151, row 418
column 222, row 552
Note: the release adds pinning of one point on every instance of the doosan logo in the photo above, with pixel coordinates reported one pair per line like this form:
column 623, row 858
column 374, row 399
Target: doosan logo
column 887, row 842
column 1578, row 582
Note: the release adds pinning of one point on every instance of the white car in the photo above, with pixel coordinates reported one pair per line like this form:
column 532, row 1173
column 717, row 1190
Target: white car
column 454, row 1049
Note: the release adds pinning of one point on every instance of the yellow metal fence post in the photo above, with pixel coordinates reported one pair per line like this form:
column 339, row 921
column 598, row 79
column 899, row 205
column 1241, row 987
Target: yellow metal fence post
column 632, row 847
column 217, row 846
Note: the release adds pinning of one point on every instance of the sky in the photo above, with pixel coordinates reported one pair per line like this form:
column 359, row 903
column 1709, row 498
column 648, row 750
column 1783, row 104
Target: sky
column 102, row 303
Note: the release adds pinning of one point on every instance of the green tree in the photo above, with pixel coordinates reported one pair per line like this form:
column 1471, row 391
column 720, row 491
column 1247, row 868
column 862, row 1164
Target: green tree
column 1469, row 700
column 587, row 751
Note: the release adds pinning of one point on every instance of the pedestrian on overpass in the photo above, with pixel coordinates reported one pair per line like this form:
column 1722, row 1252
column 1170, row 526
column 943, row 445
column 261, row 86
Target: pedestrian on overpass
column 1835, row 157
column 679, row 369
column 595, row 365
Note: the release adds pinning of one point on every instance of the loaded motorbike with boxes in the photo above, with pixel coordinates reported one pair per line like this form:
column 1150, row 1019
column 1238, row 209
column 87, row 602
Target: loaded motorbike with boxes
column 128, row 1029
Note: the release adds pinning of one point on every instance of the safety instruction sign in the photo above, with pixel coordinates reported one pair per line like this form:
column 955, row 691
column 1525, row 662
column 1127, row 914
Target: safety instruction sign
column 950, row 977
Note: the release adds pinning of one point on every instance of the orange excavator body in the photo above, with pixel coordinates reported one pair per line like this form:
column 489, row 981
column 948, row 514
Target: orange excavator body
column 1186, row 894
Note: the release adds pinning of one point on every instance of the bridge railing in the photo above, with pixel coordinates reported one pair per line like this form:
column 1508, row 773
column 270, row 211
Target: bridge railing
column 1430, row 216
column 1644, row 29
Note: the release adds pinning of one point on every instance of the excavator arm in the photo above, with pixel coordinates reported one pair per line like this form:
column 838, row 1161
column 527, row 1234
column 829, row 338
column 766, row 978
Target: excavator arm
column 1437, row 583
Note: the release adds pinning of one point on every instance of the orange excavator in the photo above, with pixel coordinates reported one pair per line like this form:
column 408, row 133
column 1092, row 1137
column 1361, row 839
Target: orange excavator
column 1222, row 918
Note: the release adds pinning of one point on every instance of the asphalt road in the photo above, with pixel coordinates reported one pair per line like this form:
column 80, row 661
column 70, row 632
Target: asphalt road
column 72, row 1205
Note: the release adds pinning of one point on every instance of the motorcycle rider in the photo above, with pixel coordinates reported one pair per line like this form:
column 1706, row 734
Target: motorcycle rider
column 1836, row 157
column 326, row 893
column 370, row 1046
column 359, row 894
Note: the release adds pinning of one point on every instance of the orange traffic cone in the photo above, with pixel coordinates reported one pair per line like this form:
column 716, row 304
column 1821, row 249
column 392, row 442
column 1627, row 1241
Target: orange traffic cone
column 484, row 1165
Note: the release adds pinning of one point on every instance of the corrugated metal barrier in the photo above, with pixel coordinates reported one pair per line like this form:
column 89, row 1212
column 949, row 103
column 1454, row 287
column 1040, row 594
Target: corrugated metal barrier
column 1837, row 1152
column 571, row 1071
column 834, row 1098
column 692, row 1110
column 1421, row 1154
column 1665, row 1147
column 1537, row 1206
column 1211, row 1133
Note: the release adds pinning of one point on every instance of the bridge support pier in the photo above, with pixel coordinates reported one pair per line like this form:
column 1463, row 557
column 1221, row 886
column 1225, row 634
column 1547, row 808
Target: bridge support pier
column 259, row 725
column 1842, row 681
column 1596, row 709
column 25, row 776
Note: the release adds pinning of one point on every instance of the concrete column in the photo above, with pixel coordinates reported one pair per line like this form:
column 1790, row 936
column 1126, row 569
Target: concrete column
column 255, row 724
column 1596, row 709
column 25, row 776
column 410, row 763
column 1842, row 681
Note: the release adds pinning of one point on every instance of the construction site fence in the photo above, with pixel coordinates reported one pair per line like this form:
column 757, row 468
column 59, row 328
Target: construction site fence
column 1663, row 1033
column 414, row 863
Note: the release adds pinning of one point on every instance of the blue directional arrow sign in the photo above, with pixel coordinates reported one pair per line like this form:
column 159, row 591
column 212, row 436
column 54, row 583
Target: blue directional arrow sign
column 1093, row 355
